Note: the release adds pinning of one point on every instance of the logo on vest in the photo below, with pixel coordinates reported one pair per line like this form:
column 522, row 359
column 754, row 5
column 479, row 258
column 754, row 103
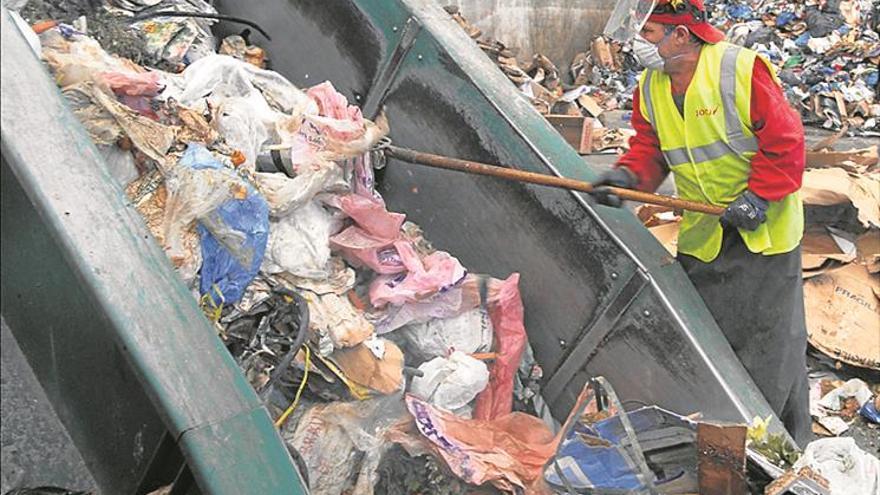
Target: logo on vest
column 707, row 112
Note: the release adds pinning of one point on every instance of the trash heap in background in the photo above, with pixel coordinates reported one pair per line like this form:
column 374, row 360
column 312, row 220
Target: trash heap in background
column 604, row 78
column 826, row 53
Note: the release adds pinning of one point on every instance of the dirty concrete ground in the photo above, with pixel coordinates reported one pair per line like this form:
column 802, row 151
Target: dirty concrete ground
column 34, row 446
column 865, row 434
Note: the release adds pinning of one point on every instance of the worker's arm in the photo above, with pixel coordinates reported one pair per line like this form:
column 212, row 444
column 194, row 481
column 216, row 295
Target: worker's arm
column 644, row 158
column 778, row 166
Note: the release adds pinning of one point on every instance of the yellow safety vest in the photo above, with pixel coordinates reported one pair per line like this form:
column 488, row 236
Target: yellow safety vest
column 709, row 151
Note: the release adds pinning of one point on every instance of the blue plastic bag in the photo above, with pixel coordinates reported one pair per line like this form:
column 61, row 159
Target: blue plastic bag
column 233, row 236
column 869, row 412
column 738, row 11
column 612, row 455
column 784, row 18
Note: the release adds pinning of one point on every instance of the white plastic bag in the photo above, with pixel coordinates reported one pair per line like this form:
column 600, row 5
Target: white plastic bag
column 848, row 469
column 285, row 194
column 468, row 332
column 254, row 107
column 193, row 194
column 451, row 383
column 299, row 243
column 343, row 440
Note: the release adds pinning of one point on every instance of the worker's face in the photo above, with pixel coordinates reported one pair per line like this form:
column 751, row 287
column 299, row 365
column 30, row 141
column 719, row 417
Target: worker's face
column 670, row 45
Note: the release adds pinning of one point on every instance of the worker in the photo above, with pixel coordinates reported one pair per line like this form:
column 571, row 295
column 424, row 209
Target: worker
column 714, row 114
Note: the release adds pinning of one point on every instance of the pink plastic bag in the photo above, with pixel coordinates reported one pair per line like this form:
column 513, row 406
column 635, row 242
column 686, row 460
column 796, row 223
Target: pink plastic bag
column 425, row 277
column 343, row 121
column 506, row 312
column 370, row 242
column 372, row 216
column 360, row 248
column 132, row 83
column 134, row 89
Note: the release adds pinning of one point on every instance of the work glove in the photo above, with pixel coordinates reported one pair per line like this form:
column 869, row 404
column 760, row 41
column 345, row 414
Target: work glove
column 616, row 177
column 746, row 212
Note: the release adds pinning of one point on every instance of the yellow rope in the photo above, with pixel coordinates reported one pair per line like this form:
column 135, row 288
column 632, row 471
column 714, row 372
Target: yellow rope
column 214, row 312
column 302, row 385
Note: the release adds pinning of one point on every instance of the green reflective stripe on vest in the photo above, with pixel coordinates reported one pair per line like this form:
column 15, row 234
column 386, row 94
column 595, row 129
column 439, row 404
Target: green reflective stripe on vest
column 709, row 150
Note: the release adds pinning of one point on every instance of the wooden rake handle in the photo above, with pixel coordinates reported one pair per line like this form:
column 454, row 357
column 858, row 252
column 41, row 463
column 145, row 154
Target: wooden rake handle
column 437, row 161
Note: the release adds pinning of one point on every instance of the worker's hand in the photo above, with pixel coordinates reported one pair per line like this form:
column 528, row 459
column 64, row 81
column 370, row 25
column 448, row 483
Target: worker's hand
column 616, row 177
column 746, row 212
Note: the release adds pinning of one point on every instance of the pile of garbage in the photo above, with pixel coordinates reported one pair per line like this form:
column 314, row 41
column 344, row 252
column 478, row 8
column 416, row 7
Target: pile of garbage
column 344, row 318
column 540, row 80
column 604, row 78
column 826, row 52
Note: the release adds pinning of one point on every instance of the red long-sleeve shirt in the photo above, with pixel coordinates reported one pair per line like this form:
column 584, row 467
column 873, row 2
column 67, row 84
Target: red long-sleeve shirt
column 777, row 167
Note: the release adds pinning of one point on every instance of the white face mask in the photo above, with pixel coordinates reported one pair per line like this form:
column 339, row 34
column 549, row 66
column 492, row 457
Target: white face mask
column 647, row 54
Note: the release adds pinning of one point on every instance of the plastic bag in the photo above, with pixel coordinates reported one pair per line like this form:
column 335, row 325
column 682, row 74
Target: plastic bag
column 426, row 276
column 192, row 194
column 233, row 222
column 285, row 194
column 240, row 126
column 506, row 311
column 233, row 242
column 440, row 306
column 344, row 441
column 299, row 242
column 454, row 301
column 343, row 121
column 81, row 60
column 222, row 76
column 135, row 90
column 255, row 107
column 106, row 119
column 451, row 383
column 372, row 216
column 509, row 451
column 360, row 249
column 468, row 332
column 847, row 468
column 371, row 241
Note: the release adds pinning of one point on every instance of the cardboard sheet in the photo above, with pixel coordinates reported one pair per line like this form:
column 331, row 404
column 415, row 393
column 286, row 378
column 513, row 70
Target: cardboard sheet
column 361, row 366
column 667, row 234
column 859, row 160
column 831, row 186
column 843, row 315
